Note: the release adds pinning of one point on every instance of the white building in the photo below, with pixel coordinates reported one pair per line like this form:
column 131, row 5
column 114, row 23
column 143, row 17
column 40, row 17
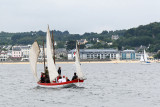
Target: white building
column 9, row 53
column 110, row 43
column 16, row 52
column 95, row 54
column 138, row 56
column 41, row 56
column 25, row 52
column 115, row 37
column 82, row 41
column 128, row 55
column 3, row 56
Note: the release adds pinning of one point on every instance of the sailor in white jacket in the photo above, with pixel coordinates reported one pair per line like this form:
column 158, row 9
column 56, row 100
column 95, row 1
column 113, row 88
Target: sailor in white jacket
column 63, row 79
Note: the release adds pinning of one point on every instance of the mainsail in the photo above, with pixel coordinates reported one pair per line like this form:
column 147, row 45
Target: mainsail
column 77, row 63
column 142, row 59
column 51, row 66
column 145, row 56
column 33, row 57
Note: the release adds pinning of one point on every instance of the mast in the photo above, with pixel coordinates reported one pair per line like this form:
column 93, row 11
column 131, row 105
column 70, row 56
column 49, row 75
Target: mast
column 53, row 47
column 44, row 55
column 78, row 46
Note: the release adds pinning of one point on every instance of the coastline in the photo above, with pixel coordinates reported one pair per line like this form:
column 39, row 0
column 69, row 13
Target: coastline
column 70, row 62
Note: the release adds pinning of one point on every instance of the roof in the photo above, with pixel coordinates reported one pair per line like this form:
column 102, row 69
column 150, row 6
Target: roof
column 3, row 53
column 16, row 49
column 25, row 47
column 128, row 51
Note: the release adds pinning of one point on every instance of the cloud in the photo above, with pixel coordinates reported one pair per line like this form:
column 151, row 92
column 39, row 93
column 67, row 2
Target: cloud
column 77, row 16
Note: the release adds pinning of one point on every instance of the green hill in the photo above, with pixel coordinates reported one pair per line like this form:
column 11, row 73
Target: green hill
column 146, row 35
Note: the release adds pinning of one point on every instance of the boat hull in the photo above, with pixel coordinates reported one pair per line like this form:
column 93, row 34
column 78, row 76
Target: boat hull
column 63, row 84
column 146, row 63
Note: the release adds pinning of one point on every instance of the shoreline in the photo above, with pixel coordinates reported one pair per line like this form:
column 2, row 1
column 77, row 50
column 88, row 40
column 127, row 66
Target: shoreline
column 71, row 62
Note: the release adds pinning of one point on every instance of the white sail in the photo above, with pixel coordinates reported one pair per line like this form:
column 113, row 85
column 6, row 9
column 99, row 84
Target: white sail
column 33, row 57
column 142, row 59
column 51, row 66
column 145, row 56
column 77, row 63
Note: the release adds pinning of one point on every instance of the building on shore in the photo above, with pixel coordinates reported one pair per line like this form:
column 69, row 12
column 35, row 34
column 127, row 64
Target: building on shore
column 138, row 56
column 128, row 55
column 16, row 52
column 3, row 56
column 90, row 54
column 82, row 41
column 25, row 52
column 61, row 53
column 115, row 37
column 21, row 53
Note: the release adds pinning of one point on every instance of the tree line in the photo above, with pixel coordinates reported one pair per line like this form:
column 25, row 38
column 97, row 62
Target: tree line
column 146, row 35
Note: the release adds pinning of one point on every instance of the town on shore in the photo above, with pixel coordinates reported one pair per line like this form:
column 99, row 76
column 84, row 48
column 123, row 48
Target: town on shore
column 20, row 53
column 118, row 45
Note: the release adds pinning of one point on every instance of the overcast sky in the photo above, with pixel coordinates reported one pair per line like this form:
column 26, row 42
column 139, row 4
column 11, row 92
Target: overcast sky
column 76, row 16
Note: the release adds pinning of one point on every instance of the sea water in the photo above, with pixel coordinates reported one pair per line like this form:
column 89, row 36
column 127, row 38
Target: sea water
column 107, row 85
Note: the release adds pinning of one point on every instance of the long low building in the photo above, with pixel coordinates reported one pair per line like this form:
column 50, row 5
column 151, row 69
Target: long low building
column 95, row 54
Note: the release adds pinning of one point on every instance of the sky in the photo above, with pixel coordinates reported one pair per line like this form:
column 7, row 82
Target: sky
column 76, row 16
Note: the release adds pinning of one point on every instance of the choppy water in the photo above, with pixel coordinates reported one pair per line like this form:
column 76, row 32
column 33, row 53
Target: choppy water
column 107, row 85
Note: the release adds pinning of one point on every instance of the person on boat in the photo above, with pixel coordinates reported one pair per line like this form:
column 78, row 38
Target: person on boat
column 43, row 77
column 46, row 71
column 60, row 80
column 63, row 79
column 41, row 74
column 59, row 77
column 47, row 80
column 67, row 79
column 59, row 70
column 75, row 77
column 47, row 75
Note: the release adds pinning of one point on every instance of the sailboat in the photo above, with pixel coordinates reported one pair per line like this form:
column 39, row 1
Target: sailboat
column 53, row 74
column 144, row 58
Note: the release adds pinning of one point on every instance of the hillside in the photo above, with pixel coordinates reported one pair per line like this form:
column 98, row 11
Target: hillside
column 146, row 35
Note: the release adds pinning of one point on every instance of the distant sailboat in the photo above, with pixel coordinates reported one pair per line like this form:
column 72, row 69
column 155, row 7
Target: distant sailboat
column 144, row 59
column 53, row 74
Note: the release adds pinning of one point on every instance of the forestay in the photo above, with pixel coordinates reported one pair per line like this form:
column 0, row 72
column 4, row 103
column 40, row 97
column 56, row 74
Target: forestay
column 51, row 66
column 77, row 63
column 33, row 57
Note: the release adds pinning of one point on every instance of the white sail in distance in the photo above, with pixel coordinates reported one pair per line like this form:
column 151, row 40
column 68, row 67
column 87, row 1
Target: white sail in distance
column 142, row 59
column 51, row 66
column 145, row 56
column 33, row 58
column 77, row 63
